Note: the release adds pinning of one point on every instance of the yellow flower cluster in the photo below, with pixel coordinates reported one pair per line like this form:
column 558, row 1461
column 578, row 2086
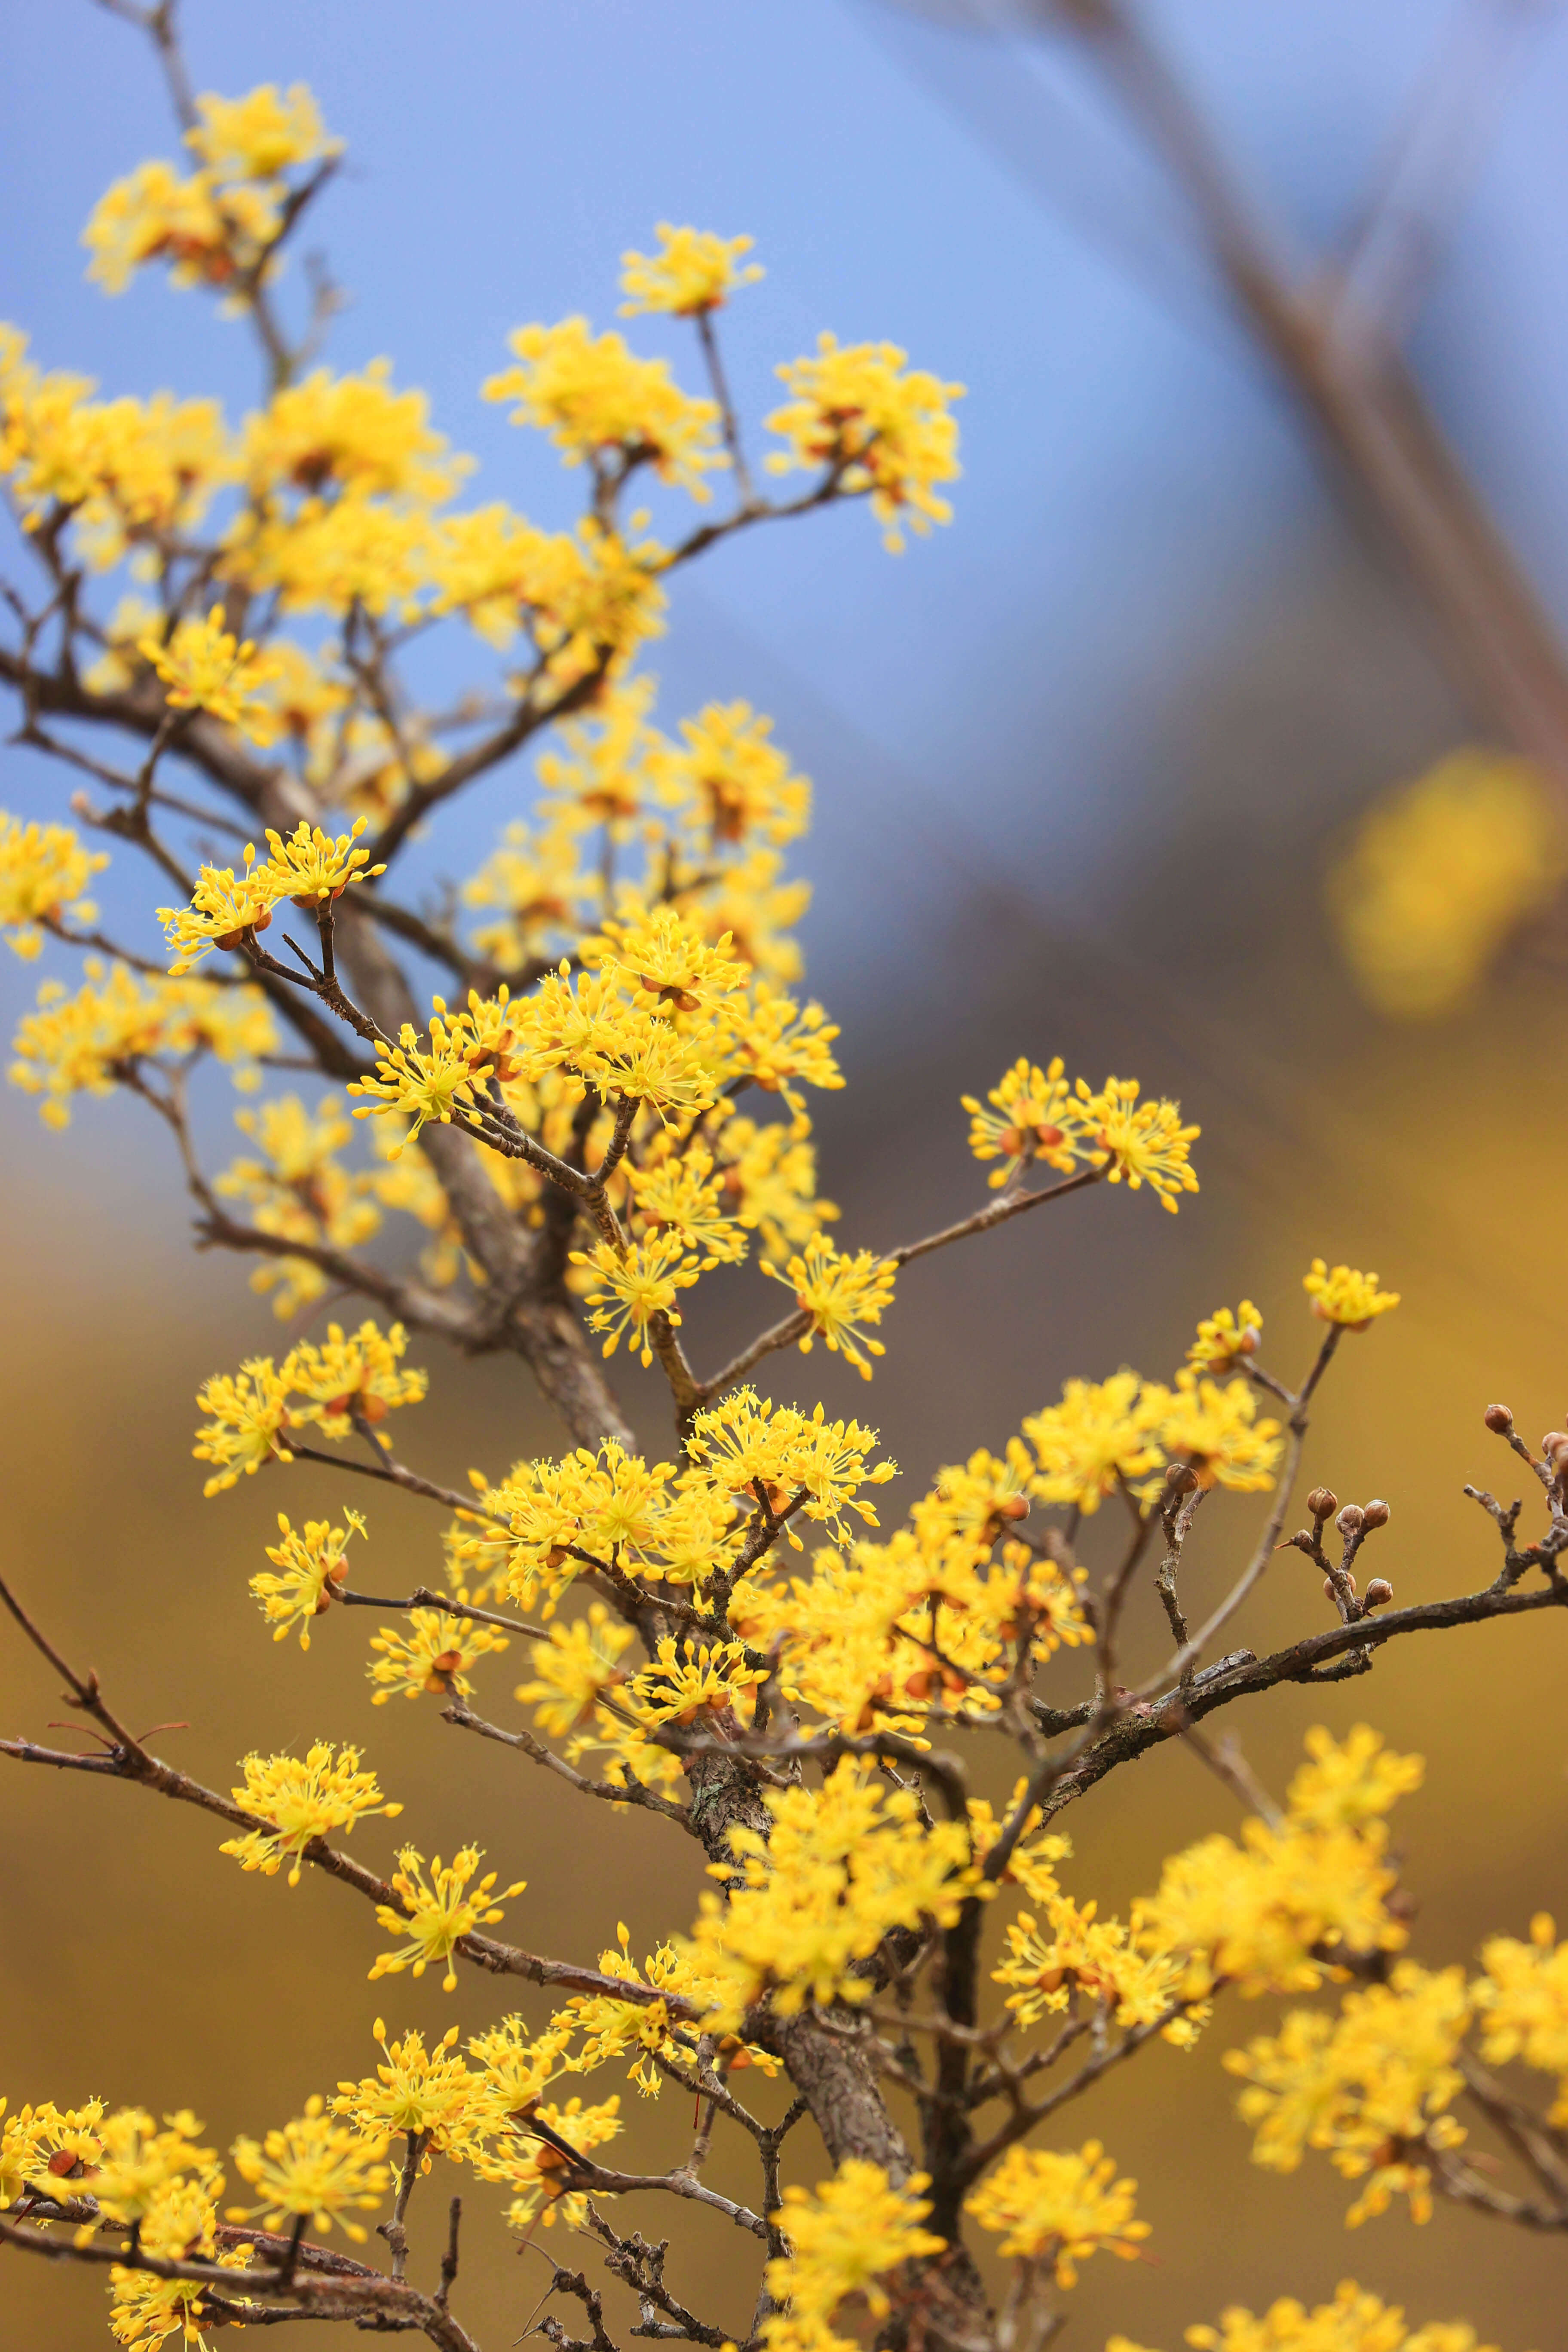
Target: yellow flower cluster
column 1354, row 2322
column 598, row 401
column 298, row 1190
column 128, row 473
column 310, row 869
column 1059, row 2207
column 1273, row 1912
column 1370, row 2087
column 1226, row 1338
column 44, row 875
column 439, row 1911
column 1112, row 1433
column 180, row 2225
column 666, row 1020
column 841, row 1866
column 82, row 1044
column 314, row 1569
column 1346, row 1295
column 413, row 2091
column 313, row 2166
column 333, row 1385
column 1523, row 2003
column 220, row 223
column 1440, row 874
column 203, row 667
column 693, row 271
column 846, row 2236
column 300, row 1801
column 885, row 429
column 1036, row 1116
column 840, row 1295
column 432, row 1657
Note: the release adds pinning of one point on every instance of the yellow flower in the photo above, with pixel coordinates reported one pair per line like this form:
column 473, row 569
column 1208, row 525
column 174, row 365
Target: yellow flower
column 886, row 428
column 1441, row 872
column 840, row 1295
column 1063, row 2206
column 83, row 1043
column 44, row 875
column 1216, row 1432
column 250, row 1416
column 1348, row 1783
column 310, row 867
column 301, row 1802
column 692, row 272
column 1103, row 1434
column 1144, row 1142
column 203, row 667
column 598, row 400
column 1370, row 2088
column 679, row 1682
column 1346, row 1295
column 260, row 135
column 1034, row 1117
column 432, row 1656
column 136, row 2162
column 846, row 2235
column 204, row 233
column 1226, row 1338
column 683, row 1196
column 422, row 1085
column 353, row 433
column 573, row 1670
column 316, row 2167
column 413, row 2091
column 1522, row 2003
column 179, row 2226
column 1353, row 2322
column 439, row 1911
column 349, row 1380
column 843, row 1865
column 729, row 780
column 629, row 1287
column 314, row 1569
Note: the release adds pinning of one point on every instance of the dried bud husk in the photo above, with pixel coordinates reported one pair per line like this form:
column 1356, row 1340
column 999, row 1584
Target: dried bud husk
column 1323, row 1502
column 1498, row 1420
column 1374, row 1514
column 1349, row 1521
column 1379, row 1593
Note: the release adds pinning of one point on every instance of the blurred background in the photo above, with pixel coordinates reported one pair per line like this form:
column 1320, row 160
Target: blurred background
column 1085, row 765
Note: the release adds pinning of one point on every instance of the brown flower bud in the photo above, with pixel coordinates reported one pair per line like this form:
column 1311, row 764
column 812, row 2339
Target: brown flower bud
column 1016, row 1507
column 1379, row 1593
column 1323, row 1502
column 1554, row 1445
column 1329, row 1592
column 1181, row 1478
column 1374, row 1514
column 1498, row 1420
column 1350, row 1520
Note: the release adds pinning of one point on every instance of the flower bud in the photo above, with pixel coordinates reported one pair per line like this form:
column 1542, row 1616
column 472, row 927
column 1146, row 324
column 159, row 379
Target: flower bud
column 1379, row 1593
column 1498, row 1420
column 1016, row 1507
column 1180, row 1478
column 1329, row 1592
column 1374, row 1514
column 1350, row 1520
column 1323, row 1502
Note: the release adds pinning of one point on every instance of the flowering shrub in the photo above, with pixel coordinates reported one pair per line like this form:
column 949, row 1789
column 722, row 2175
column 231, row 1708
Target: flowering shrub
column 732, row 1632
